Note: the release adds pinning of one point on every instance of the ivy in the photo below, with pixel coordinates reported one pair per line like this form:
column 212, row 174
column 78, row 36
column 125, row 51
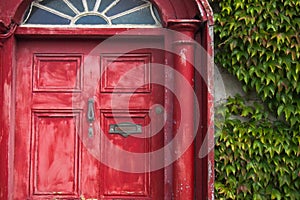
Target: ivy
column 257, row 156
column 259, row 42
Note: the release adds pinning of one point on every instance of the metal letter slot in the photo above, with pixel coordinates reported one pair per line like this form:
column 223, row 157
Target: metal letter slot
column 125, row 129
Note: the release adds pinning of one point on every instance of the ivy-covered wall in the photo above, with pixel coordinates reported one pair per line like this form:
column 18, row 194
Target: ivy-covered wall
column 257, row 152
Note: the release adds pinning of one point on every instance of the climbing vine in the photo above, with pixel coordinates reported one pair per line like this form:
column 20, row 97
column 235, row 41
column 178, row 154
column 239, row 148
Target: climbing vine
column 255, row 156
column 258, row 148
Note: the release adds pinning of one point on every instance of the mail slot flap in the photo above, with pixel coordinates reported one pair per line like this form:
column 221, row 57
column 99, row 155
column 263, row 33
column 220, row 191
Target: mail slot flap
column 125, row 128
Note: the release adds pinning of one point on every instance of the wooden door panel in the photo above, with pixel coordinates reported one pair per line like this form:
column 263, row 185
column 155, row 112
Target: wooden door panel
column 55, row 153
column 125, row 73
column 127, row 184
column 57, row 73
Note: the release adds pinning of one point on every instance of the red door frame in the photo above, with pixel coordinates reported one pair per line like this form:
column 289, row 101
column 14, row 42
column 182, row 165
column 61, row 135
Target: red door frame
column 178, row 15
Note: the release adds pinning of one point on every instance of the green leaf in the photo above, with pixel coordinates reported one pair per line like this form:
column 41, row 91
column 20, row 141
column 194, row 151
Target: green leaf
column 275, row 194
column 257, row 196
column 271, row 26
column 280, row 109
column 230, row 169
column 228, row 9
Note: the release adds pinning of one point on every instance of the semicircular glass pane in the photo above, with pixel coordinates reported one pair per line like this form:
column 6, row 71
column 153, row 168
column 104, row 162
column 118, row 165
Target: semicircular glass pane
column 92, row 13
column 90, row 20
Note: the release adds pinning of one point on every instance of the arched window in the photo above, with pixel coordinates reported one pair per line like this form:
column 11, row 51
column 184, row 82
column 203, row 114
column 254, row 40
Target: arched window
column 92, row 13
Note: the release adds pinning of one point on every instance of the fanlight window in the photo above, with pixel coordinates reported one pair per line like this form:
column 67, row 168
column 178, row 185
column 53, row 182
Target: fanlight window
column 92, row 13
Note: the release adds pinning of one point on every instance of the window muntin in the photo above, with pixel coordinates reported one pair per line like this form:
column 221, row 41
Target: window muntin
column 92, row 13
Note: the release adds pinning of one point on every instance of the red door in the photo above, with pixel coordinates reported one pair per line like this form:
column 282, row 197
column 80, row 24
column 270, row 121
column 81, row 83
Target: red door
column 86, row 123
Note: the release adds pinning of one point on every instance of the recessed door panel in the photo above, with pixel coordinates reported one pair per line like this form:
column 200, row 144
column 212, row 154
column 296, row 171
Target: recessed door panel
column 55, row 167
column 126, row 73
column 126, row 132
column 57, row 73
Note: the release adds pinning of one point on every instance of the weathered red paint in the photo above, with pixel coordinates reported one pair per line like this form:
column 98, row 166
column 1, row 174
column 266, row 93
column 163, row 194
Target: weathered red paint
column 183, row 179
column 3, row 138
column 172, row 12
column 205, row 135
column 56, row 85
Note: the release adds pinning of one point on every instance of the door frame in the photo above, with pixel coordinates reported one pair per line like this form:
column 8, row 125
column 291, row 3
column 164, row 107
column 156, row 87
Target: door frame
column 201, row 176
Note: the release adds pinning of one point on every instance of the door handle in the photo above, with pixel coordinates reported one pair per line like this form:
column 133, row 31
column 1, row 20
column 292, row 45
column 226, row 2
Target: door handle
column 125, row 129
column 91, row 116
column 91, row 113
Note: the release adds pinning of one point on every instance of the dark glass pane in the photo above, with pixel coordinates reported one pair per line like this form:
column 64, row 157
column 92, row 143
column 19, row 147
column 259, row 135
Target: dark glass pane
column 104, row 4
column 27, row 14
column 39, row 16
column 140, row 17
column 77, row 4
column 91, row 4
column 156, row 14
column 91, row 19
column 59, row 6
column 124, row 5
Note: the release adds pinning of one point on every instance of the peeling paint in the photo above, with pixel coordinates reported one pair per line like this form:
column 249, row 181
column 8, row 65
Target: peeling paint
column 205, row 11
column 183, row 56
column 211, row 180
column 209, row 170
column 166, row 61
